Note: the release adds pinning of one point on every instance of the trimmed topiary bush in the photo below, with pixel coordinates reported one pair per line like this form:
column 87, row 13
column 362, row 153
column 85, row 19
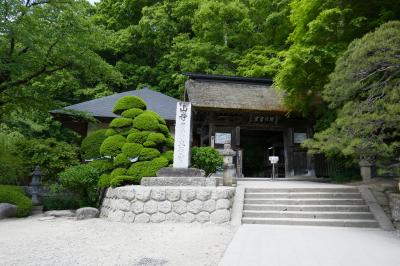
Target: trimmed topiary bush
column 146, row 122
column 147, row 168
column 118, row 171
column 132, row 150
column 138, row 137
column 132, row 113
column 206, row 158
column 16, row 196
column 128, row 102
column 140, row 152
column 120, row 122
column 121, row 160
column 169, row 155
column 147, row 154
column 111, row 132
column 111, row 146
column 90, row 145
column 158, row 138
column 124, row 180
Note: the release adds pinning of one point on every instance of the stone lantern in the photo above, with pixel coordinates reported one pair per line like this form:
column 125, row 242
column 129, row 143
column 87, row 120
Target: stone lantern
column 229, row 177
column 35, row 184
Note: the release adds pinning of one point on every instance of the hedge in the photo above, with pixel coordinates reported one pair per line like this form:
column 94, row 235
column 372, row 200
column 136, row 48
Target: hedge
column 16, row 196
column 147, row 168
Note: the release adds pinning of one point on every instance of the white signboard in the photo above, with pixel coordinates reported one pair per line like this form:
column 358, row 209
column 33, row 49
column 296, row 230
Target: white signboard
column 222, row 138
column 182, row 135
column 299, row 137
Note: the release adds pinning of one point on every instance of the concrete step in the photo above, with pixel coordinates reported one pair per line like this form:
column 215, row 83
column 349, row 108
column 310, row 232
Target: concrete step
column 312, row 222
column 309, row 215
column 303, row 195
column 320, row 208
column 301, row 190
column 305, row 201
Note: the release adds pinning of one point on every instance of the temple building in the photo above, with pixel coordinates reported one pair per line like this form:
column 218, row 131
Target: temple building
column 249, row 114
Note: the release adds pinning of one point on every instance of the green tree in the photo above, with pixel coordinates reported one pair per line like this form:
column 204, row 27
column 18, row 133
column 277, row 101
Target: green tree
column 365, row 91
column 322, row 31
column 48, row 51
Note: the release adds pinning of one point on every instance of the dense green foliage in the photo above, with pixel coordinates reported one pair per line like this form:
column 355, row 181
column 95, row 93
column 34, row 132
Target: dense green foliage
column 206, row 158
column 90, row 146
column 365, row 91
column 322, row 31
column 12, row 168
column 81, row 180
column 16, row 195
column 142, row 153
column 51, row 155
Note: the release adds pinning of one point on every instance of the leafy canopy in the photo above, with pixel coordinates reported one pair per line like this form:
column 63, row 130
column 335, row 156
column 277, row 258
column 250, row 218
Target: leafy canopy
column 365, row 89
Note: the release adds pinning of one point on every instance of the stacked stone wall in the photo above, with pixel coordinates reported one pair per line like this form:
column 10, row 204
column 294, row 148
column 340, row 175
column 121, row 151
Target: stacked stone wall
column 141, row 204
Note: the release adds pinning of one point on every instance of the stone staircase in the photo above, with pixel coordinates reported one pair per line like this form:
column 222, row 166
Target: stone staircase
column 307, row 206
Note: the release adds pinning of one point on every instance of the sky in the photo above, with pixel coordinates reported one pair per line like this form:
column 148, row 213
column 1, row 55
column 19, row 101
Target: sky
column 93, row 1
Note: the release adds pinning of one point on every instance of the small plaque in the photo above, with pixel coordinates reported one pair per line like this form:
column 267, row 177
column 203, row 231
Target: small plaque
column 222, row 138
column 299, row 138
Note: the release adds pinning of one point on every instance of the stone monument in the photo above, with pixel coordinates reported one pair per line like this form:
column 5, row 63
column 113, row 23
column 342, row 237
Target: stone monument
column 181, row 174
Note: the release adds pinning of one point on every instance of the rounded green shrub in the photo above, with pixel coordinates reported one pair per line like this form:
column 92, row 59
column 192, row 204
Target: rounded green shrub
column 118, row 171
column 206, row 158
column 146, row 122
column 90, row 145
column 147, row 154
column 121, row 160
column 112, row 145
column 149, row 144
column 164, row 129
column 104, row 181
column 111, row 132
column 170, row 142
column 132, row 150
column 138, row 137
column 124, row 180
column 132, row 113
column 81, row 180
column 169, row 155
column 120, row 122
column 128, row 102
column 157, row 116
column 16, row 196
column 146, row 136
column 158, row 138
column 147, row 168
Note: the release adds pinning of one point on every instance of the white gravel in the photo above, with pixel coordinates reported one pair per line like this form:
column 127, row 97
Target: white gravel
column 61, row 241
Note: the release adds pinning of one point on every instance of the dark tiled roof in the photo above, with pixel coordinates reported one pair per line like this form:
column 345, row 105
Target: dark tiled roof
column 102, row 107
column 234, row 93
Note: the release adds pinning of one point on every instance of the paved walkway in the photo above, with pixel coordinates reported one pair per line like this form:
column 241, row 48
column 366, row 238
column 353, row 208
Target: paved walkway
column 272, row 245
column 279, row 245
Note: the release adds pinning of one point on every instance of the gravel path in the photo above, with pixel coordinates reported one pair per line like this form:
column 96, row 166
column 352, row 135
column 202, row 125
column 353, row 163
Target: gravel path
column 61, row 241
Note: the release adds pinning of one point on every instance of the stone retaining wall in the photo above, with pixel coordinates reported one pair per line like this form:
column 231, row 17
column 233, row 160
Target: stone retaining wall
column 141, row 204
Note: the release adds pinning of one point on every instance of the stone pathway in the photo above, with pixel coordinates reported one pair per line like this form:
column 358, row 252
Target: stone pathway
column 272, row 245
